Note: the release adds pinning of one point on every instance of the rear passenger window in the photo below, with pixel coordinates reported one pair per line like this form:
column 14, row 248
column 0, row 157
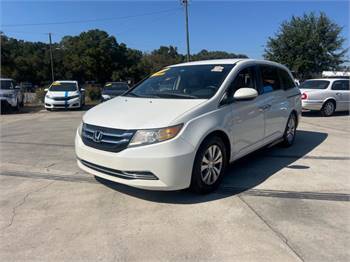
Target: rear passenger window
column 341, row 85
column 286, row 81
column 270, row 79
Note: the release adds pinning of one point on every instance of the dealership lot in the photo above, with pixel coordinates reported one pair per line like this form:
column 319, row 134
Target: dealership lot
column 276, row 205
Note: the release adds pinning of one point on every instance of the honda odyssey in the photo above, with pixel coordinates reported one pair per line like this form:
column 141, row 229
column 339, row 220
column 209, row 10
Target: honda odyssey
column 184, row 124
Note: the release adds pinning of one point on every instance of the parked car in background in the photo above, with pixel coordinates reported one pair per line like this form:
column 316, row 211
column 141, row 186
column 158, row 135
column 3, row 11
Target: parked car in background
column 11, row 95
column 113, row 89
column 64, row 94
column 27, row 87
column 327, row 95
column 183, row 125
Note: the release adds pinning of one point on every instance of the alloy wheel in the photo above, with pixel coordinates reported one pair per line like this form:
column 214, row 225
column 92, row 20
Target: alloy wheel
column 291, row 129
column 329, row 108
column 211, row 165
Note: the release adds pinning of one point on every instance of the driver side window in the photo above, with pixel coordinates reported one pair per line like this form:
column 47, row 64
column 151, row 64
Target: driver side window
column 245, row 78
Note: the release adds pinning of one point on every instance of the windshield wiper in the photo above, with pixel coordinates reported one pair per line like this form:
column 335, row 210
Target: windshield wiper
column 144, row 96
column 132, row 94
column 177, row 95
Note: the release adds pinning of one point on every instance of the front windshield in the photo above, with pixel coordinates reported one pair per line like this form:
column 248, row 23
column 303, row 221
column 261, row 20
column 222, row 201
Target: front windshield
column 6, row 84
column 314, row 84
column 183, row 82
column 116, row 87
column 59, row 86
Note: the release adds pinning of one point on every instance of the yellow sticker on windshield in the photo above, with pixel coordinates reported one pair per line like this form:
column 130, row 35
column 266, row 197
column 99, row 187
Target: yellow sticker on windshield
column 56, row 83
column 161, row 72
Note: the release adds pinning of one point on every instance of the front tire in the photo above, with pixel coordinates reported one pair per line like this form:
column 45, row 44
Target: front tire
column 328, row 108
column 290, row 131
column 209, row 166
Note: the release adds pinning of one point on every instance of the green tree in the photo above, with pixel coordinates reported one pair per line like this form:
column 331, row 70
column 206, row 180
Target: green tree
column 206, row 55
column 308, row 45
column 159, row 58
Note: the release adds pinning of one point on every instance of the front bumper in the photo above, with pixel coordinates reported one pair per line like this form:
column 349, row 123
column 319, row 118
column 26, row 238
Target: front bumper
column 6, row 101
column 312, row 104
column 72, row 103
column 170, row 162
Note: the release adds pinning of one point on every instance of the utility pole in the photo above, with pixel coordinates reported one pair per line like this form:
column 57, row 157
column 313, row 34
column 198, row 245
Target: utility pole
column 185, row 3
column 51, row 59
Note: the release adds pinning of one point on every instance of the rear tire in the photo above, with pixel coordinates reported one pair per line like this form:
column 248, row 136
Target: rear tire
column 328, row 108
column 290, row 131
column 209, row 165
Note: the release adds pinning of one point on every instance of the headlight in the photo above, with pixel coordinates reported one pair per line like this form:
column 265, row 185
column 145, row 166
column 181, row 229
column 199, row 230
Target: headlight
column 151, row 136
column 72, row 97
column 80, row 129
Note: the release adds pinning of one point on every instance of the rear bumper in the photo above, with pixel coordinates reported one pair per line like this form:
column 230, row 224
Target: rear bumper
column 312, row 104
column 162, row 166
column 72, row 103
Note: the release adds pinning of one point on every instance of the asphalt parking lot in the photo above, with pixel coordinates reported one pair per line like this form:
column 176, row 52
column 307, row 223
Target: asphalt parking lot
column 275, row 205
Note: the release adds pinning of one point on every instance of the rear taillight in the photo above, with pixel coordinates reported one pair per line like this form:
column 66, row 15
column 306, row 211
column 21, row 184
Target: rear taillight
column 303, row 96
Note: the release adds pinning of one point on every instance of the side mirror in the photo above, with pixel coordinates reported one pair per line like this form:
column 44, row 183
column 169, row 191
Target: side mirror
column 46, row 89
column 245, row 93
column 82, row 89
column 17, row 87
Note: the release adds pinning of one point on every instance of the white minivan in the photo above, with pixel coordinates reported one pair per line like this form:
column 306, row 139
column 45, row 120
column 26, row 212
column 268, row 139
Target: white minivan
column 183, row 125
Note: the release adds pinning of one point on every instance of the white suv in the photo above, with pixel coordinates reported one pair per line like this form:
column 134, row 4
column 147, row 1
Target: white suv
column 183, row 125
column 11, row 94
column 64, row 94
column 326, row 95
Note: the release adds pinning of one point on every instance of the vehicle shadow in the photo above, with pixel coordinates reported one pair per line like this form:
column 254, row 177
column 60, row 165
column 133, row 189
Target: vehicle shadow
column 318, row 114
column 242, row 175
column 24, row 110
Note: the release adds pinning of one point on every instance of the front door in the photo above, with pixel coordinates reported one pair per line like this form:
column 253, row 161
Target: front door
column 248, row 116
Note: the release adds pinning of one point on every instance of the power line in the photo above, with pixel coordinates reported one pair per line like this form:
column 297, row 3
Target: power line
column 91, row 20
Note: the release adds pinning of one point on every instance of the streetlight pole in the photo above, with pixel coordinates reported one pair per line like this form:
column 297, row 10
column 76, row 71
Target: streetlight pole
column 185, row 3
column 51, row 59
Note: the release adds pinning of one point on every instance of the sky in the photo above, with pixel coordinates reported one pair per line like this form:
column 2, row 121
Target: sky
column 232, row 26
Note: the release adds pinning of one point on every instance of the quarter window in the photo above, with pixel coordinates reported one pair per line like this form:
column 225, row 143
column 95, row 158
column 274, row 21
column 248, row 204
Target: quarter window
column 341, row 85
column 269, row 78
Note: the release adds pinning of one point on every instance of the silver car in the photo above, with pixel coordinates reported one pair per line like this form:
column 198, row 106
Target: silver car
column 326, row 95
column 11, row 95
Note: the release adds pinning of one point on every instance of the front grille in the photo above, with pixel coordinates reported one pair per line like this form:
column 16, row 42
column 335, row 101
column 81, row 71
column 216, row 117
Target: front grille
column 63, row 98
column 106, row 139
column 145, row 175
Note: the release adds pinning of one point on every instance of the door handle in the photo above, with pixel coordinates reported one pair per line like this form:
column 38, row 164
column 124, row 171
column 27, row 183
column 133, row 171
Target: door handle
column 264, row 107
column 338, row 94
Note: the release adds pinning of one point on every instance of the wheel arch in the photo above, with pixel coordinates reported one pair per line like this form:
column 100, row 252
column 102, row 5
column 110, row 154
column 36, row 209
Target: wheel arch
column 222, row 135
column 333, row 100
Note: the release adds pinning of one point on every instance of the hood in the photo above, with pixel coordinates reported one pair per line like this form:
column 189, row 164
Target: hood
column 7, row 91
column 139, row 113
column 62, row 93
